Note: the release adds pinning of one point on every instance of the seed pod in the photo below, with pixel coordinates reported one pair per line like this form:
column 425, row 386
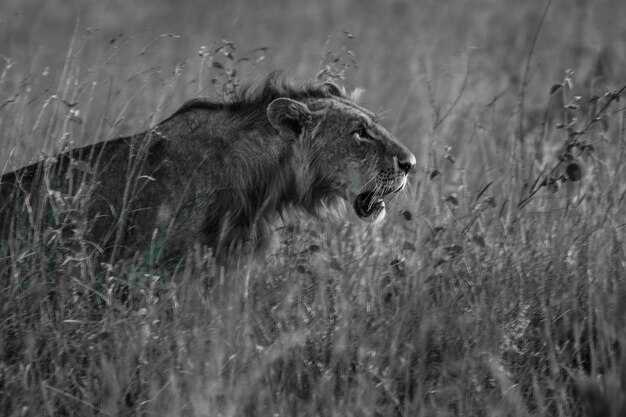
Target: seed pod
column 574, row 171
column 555, row 88
column 407, row 215
column 314, row 248
column 452, row 199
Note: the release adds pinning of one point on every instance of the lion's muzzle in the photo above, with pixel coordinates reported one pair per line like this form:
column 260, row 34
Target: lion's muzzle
column 370, row 205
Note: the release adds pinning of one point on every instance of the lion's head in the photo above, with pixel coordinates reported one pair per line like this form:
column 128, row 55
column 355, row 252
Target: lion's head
column 345, row 147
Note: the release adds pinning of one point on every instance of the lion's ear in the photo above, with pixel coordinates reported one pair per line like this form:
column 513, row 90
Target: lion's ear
column 288, row 116
column 333, row 89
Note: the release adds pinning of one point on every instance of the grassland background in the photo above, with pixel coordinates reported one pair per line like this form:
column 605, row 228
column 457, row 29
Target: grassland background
column 462, row 304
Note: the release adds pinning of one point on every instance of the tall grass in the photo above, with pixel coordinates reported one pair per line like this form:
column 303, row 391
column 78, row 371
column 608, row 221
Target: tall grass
column 495, row 287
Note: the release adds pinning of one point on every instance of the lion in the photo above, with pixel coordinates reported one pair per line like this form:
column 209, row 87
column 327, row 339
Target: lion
column 218, row 174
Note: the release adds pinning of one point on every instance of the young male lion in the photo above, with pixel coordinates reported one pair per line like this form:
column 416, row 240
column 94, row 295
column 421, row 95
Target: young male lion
column 214, row 173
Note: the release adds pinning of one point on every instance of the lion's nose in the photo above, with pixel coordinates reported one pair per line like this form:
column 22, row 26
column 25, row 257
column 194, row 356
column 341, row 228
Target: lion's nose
column 407, row 163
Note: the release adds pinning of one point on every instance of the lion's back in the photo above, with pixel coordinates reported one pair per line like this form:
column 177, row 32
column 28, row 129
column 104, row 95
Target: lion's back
column 92, row 179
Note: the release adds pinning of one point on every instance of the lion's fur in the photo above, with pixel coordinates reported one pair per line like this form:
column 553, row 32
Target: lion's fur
column 217, row 173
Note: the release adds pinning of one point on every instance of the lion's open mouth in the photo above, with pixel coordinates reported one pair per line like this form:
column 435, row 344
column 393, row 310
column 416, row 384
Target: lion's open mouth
column 368, row 204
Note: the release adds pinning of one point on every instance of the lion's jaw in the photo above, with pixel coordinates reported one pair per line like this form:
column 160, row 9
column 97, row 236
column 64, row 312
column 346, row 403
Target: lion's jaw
column 369, row 208
column 369, row 202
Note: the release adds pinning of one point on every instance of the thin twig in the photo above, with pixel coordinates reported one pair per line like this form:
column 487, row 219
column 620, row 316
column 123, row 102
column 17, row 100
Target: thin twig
column 456, row 100
column 525, row 76
column 542, row 180
column 613, row 96
column 72, row 397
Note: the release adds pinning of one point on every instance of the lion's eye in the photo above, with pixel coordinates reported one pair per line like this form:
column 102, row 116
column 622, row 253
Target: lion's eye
column 362, row 134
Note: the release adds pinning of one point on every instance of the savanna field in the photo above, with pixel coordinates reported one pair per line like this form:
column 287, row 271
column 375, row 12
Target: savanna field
column 494, row 287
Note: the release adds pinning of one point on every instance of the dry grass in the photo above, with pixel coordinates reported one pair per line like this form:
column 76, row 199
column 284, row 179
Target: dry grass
column 495, row 288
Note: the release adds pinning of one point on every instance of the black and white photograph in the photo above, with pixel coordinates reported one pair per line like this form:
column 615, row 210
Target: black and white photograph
column 384, row 208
